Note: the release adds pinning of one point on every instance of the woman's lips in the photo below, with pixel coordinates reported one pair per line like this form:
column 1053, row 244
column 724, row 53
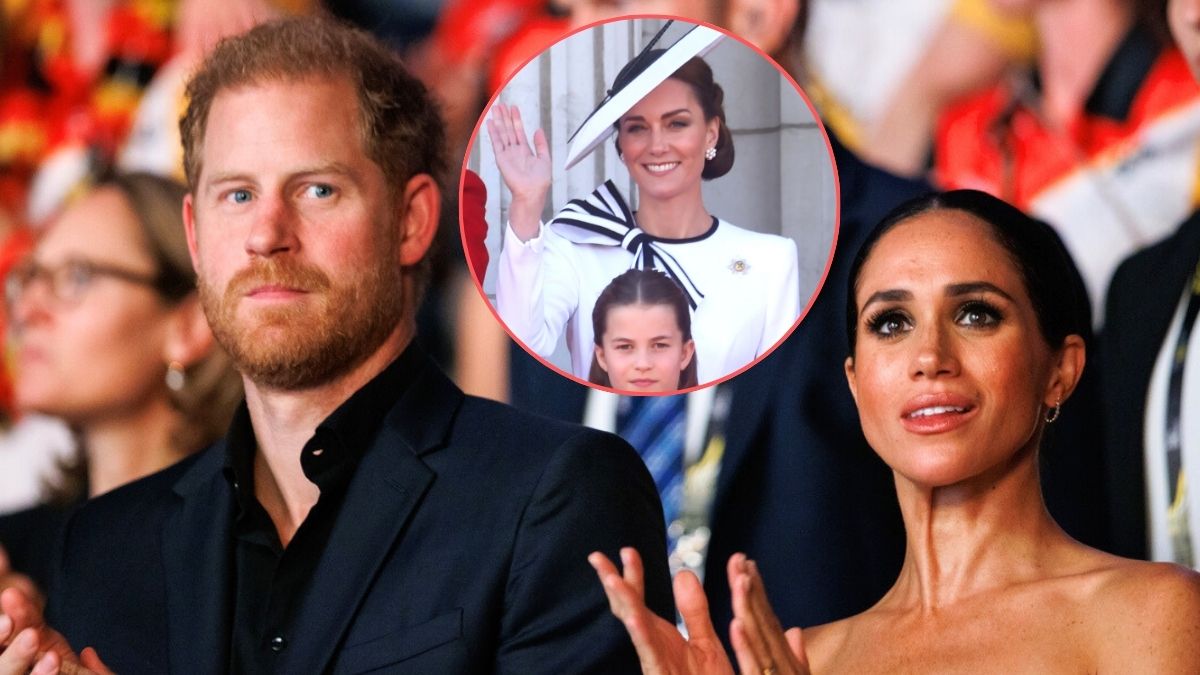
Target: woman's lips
column 660, row 168
column 937, row 413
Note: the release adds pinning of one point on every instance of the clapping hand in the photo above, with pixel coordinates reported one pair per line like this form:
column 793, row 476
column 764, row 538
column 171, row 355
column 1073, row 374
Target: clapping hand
column 10, row 578
column 660, row 647
column 524, row 168
column 27, row 642
column 759, row 642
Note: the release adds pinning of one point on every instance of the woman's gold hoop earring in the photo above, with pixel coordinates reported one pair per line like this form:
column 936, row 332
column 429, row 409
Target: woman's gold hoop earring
column 1054, row 412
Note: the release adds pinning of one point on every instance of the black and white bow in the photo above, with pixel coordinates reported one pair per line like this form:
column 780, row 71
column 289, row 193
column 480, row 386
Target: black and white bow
column 603, row 218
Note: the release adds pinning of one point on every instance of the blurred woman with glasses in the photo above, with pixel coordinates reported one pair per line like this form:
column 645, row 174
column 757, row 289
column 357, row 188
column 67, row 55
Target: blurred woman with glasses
column 109, row 336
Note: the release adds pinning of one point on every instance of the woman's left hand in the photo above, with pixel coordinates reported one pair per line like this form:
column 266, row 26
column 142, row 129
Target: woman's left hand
column 759, row 641
column 660, row 647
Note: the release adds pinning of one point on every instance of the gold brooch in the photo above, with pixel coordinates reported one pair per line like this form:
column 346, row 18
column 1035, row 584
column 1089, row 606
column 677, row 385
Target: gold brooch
column 739, row 266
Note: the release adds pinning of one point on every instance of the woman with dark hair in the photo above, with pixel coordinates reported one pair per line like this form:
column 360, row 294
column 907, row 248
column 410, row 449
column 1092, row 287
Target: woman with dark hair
column 966, row 327
column 742, row 286
column 111, row 338
column 643, row 333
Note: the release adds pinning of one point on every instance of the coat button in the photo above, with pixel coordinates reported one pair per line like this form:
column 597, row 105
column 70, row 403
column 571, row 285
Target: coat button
column 278, row 643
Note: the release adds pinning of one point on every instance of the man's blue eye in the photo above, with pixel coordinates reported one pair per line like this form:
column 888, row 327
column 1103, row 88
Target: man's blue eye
column 320, row 191
column 239, row 196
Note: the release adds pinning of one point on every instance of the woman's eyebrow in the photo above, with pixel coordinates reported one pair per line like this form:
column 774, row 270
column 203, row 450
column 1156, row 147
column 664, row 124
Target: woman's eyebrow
column 974, row 288
column 891, row 295
column 640, row 118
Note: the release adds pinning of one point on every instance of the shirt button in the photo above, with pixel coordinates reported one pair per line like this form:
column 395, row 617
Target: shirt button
column 278, row 643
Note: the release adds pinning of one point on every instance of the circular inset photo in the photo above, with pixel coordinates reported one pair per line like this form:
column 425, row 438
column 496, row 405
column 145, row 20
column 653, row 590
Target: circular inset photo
column 649, row 205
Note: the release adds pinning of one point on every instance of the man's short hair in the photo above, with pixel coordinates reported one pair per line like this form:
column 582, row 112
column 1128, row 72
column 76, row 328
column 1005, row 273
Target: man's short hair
column 401, row 129
column 399, row 124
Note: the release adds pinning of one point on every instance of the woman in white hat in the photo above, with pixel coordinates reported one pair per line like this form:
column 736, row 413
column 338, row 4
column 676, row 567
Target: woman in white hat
column 668, row 115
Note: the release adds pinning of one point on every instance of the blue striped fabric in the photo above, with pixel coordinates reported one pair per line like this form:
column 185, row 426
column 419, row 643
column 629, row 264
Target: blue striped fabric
column 655, row 426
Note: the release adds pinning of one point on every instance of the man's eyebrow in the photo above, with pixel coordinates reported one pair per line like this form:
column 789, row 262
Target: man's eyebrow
column 327, row 168
column 227, row 177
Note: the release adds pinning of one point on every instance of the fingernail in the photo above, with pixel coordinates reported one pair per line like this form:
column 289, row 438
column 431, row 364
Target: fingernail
column 45, row 665
column 5, row 626
column 27, row 639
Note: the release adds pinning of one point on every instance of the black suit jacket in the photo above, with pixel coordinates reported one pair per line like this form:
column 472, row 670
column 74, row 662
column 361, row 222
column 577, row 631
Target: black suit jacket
column 1142, row 300
column 461, row 547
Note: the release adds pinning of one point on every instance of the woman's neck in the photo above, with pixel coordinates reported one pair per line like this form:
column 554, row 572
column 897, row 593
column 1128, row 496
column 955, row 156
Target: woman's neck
column 124, row 448
column 986, row 533
column 1079, row 38
column 679, row 217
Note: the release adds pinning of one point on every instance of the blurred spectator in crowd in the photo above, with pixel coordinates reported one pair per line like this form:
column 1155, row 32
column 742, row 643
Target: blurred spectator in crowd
column 111, row 339
column 1150, row 357
column 153, row 144
column 1098, row 137
column 71, row 75
column 884, row 102
column 85, row 83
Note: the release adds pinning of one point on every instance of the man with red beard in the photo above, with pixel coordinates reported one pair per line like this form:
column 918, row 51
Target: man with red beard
column 362, row 513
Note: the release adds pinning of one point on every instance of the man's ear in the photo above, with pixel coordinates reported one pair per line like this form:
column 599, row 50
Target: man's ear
column 189, row 338
column 420, row 208
column 189, row 226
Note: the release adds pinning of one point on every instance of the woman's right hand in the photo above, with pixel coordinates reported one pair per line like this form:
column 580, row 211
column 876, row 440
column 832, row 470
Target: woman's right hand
column 759, row 641
column 660, row 647
column 525, row 169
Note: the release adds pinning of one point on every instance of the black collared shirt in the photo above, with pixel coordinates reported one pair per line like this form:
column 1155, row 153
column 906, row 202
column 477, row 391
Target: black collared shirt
column 270, row 580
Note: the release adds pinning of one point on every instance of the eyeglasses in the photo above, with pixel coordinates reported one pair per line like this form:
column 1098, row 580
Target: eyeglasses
column 68, row 281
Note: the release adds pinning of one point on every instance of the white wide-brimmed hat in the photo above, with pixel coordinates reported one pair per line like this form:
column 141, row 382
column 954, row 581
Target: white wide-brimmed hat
column 638, row 78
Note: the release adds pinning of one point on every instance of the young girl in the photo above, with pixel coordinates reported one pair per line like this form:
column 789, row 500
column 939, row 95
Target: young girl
column 643, row 335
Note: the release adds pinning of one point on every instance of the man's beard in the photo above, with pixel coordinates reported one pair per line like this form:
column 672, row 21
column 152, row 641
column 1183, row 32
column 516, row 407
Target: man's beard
column 313, row 341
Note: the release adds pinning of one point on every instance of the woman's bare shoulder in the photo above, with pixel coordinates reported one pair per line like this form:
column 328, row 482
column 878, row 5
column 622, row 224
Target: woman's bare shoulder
column 1145, row 617
column 822, row 643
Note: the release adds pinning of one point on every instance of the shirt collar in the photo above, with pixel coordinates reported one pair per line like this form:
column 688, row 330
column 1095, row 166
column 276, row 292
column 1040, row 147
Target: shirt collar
column 341, row 439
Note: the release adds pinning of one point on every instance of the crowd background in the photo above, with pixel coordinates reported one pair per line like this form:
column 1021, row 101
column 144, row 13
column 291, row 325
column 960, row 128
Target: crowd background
column 1082, row 112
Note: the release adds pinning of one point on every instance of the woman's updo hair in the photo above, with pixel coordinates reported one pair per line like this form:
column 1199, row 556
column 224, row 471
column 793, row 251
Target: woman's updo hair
column 1052, row 281
column 697, row 74
column 641, row 287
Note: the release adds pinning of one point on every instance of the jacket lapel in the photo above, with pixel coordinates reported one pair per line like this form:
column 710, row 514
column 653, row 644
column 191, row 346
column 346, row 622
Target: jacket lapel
column 385, row 492
column 1176, row 271
column 196, row 559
